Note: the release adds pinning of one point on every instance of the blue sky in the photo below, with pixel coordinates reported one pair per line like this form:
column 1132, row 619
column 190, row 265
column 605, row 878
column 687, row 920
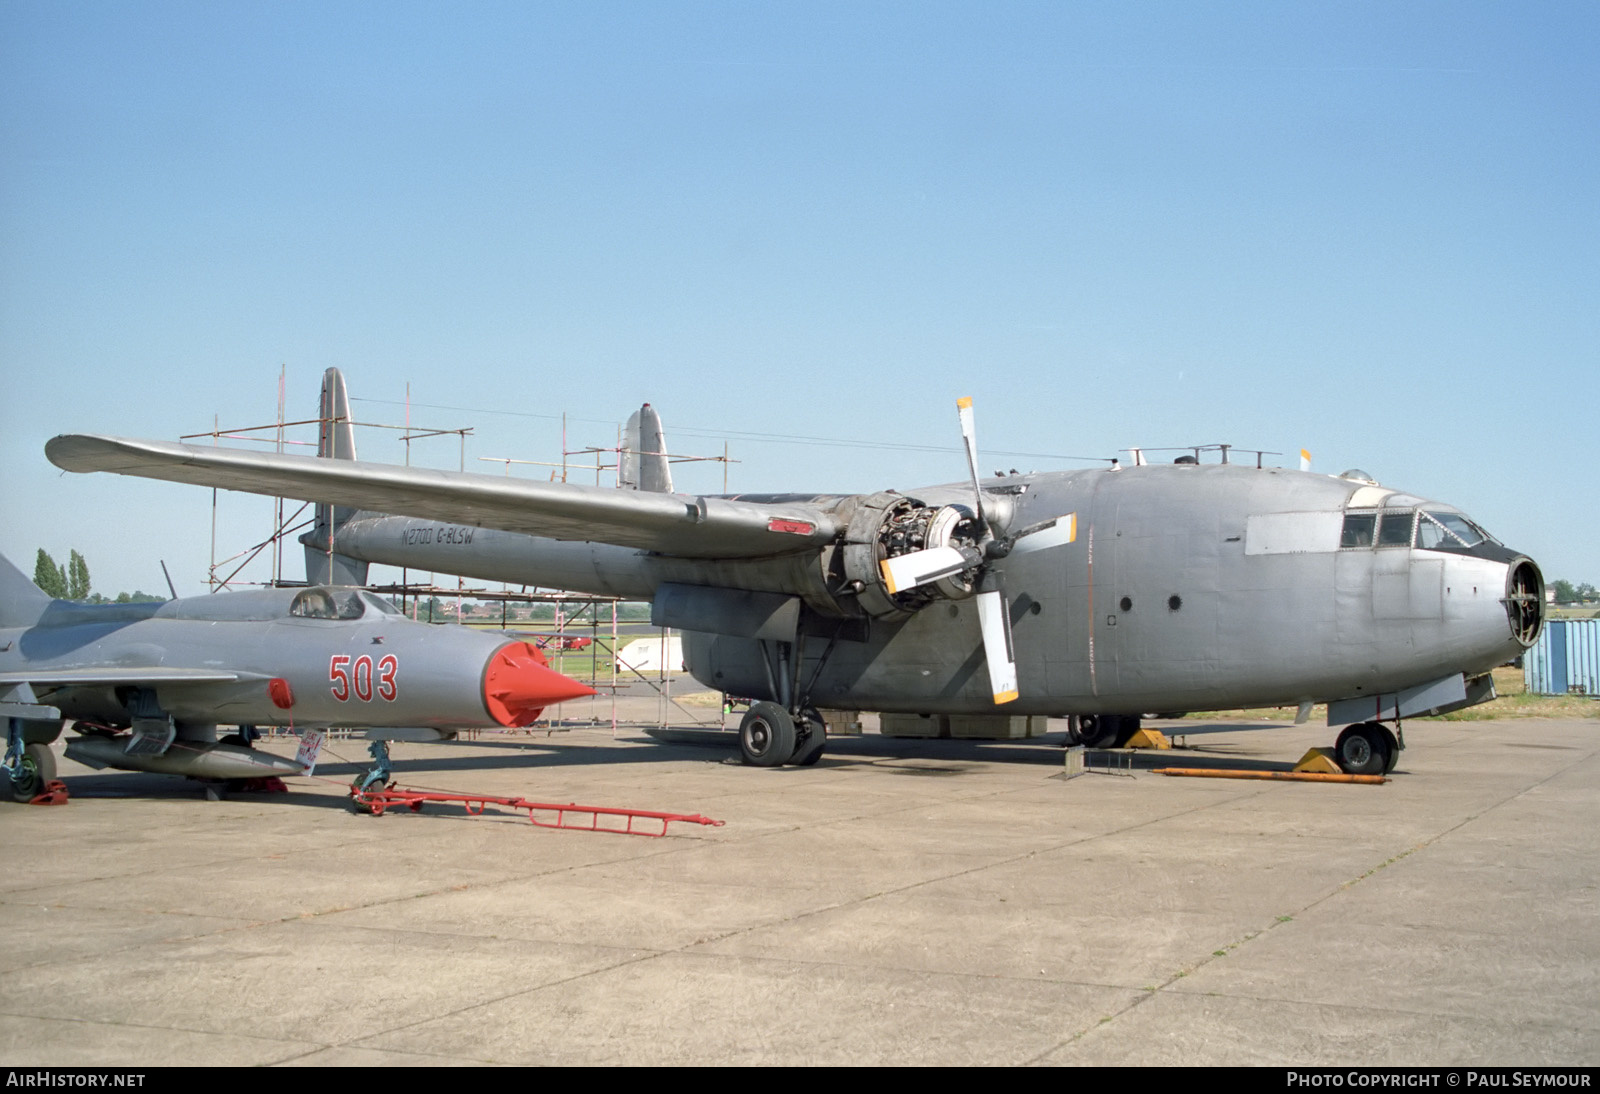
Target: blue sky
column 1370, row 230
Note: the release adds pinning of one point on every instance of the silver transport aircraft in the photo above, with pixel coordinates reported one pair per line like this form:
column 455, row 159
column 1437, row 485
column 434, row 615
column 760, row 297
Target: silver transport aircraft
column 1093, row 594
column 147, row 684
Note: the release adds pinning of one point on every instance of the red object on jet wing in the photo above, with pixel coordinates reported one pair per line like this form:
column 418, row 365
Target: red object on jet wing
column 518, row 685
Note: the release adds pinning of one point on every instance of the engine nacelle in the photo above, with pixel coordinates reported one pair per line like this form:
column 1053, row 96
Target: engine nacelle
column 887, row 525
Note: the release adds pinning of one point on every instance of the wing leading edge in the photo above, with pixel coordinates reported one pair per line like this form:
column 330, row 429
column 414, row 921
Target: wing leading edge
column 675, row 524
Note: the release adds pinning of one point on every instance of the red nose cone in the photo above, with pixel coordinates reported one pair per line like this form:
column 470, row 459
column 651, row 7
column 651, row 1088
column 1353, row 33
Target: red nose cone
column 517, row 685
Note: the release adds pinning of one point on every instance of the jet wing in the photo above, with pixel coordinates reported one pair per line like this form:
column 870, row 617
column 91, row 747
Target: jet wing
column 673, row 524
column 123, row 674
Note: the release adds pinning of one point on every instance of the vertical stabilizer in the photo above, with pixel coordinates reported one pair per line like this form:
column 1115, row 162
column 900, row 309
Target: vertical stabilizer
column 643, row 465
column 21, row 601
column 336, row 440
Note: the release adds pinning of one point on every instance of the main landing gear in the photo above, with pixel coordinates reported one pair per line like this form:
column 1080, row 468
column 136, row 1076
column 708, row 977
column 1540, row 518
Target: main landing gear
column 1369, row 748
column 769, row 736
column 1101, row 730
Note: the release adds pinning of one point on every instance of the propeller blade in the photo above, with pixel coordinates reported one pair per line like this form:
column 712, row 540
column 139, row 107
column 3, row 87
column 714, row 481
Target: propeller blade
column 1305, row 460
column 969, row 434
column 994, row 618
column 915, row 568
column 1047, row 533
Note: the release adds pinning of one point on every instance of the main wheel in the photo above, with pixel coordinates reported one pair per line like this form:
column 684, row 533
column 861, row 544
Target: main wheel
column 1127, row 726
column 1363, row 749
column 766, row 735
column 813, row 736
column 1394, row 748
column 34, row 772
column 1098, row 730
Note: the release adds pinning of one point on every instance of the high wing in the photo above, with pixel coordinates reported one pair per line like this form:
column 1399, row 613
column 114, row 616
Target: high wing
column 674, row 524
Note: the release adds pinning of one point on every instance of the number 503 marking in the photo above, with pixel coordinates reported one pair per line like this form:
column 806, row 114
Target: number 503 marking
column 357, row 676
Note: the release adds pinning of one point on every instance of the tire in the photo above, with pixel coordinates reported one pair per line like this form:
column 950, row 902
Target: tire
column 1074, row 734
column 1099, row 730
column 1363, row 749
column 1394, row 749
column 813, row 736
column 34, row 773
column 766, row 735
column 1127, row 726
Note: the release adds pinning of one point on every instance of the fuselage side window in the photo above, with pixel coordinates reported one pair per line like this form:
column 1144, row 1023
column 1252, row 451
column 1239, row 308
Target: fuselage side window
column 1395, row 530
column 1358, row 528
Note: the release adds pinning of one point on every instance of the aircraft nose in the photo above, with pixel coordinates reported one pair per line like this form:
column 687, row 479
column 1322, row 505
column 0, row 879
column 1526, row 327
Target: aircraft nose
column 518, row 685
column 1524, row 600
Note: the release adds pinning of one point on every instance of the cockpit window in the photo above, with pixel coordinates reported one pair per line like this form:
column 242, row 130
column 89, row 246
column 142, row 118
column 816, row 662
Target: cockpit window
column 321, row 603
column 1463, row 529
column 381, row 604
column 1395, row 531
column 1358, row 528
column 1441, row 530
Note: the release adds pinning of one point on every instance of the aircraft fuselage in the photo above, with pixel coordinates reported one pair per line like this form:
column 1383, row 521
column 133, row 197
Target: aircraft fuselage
column 1186, row 587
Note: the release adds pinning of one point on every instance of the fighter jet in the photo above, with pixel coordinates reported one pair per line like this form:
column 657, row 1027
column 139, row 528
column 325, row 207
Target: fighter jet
column 1093, row 594
column 146, row 685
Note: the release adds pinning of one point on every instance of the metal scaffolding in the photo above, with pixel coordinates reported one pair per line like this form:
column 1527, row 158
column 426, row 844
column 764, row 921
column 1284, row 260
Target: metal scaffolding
column 583, row 630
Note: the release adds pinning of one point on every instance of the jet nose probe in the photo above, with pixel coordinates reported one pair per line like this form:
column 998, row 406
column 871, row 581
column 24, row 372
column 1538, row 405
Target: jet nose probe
column 518, row 684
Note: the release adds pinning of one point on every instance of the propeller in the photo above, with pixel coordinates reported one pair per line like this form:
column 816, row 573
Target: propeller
column 914, row 568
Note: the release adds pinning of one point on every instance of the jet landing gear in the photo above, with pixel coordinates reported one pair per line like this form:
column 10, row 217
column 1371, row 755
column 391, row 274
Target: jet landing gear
column 1369, row 748
column 373, row 781
column 29, row 766
column 769, row 736
column 32, row 772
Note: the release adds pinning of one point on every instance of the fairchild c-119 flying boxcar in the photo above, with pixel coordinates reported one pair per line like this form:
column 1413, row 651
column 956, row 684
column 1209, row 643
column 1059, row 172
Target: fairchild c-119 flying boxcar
column 1097, row 593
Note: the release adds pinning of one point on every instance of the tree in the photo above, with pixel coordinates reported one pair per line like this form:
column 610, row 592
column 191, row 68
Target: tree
column 77, row 577
column 1565, row 594
column 50, row 578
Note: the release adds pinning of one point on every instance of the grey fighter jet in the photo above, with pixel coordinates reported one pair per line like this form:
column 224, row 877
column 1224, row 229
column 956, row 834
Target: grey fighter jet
column 1092, row 594
column 146, row 685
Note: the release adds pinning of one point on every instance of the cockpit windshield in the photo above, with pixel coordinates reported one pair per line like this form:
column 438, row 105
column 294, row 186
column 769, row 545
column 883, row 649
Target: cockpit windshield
column 1428, row 529
column 381, row 605
column 324, row 603
column 1436, row 528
